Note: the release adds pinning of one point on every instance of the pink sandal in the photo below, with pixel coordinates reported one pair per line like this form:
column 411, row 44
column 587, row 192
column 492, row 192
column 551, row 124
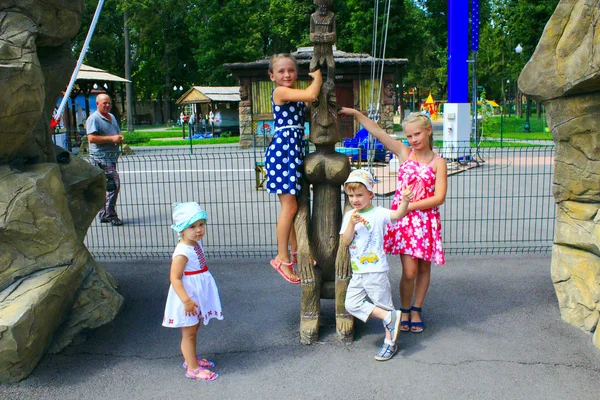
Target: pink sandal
column 201, row 374
column 277, row 263
column 202, row 363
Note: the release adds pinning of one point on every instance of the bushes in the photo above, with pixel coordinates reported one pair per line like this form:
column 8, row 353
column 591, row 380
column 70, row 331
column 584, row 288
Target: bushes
column 134, row 138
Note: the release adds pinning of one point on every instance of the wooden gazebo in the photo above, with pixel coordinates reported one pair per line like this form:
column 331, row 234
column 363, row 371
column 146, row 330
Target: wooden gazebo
column 89, row 76
column 89, row 81
column 221, row 102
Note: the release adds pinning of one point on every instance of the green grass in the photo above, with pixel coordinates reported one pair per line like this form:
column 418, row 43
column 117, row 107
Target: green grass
column 512, row 128
column 494, row 143
column 184, row 142
column 490, row 144
column 162, row 134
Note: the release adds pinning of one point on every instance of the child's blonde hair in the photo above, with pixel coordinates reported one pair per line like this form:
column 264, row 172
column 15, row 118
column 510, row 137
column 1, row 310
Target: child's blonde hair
column 424, row 122
column 276, row 57
column 353, row 186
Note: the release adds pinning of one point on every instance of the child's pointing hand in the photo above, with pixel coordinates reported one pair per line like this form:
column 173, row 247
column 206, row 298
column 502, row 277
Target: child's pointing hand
column 355, row 217
column 407, row 193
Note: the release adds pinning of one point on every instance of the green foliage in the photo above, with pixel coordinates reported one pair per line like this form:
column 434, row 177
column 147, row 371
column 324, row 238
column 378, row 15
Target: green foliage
column 511, row 22
column 512, row 128
column 185, row 42
column 135, row 138
column 186, row 142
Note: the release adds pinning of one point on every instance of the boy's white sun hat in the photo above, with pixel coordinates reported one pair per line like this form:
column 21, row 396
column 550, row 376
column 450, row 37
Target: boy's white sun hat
column 185, row 214
column 361, row 176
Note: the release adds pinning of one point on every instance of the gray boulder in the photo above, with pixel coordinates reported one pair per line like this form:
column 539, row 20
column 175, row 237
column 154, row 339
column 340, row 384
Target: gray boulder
column 564, row 72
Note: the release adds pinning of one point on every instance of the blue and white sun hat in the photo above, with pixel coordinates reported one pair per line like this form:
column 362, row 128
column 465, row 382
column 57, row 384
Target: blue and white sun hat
column 185, row 214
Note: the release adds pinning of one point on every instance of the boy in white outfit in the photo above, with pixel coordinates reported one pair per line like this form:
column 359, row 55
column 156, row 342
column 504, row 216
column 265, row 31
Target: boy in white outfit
column 362, row 231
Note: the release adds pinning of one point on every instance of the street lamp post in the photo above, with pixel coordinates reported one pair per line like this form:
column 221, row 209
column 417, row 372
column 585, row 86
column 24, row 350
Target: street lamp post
column 526, row 127
column 180, row 89
column 508, row 91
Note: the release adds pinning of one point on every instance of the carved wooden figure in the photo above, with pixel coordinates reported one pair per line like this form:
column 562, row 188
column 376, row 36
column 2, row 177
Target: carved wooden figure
column 323, row 36
column 318, row 233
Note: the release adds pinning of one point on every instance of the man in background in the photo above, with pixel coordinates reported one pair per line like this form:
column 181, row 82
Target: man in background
column 104, row 137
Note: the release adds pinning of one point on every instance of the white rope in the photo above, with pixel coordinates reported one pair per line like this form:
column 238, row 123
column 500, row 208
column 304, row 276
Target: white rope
column 384, row 45
column 377, row 68
column 374, row 55
column 84, row 49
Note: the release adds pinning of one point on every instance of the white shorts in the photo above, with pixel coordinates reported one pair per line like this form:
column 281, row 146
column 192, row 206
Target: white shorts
column 374, row 285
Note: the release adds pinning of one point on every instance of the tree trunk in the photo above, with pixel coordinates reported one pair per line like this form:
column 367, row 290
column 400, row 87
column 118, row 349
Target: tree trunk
column 128, row 85
column 167, row 93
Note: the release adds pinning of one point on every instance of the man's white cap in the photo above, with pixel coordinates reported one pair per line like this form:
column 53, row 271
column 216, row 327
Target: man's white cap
column 361, row 176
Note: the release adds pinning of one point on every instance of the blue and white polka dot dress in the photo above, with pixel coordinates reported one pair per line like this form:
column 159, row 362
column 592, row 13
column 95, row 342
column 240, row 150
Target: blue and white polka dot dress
column 284, row 156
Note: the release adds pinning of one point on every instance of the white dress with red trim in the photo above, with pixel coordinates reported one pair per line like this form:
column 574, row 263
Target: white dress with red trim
column 199, row 285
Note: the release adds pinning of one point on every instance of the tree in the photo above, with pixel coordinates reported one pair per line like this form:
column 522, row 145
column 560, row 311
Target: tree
column 184, row 42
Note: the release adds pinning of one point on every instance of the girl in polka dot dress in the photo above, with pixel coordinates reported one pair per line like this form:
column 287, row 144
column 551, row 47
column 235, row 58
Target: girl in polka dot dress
column 416, row 237
column 284, row 156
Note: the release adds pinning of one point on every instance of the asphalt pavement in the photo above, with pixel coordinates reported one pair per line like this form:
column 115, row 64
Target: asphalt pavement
column 492, row 331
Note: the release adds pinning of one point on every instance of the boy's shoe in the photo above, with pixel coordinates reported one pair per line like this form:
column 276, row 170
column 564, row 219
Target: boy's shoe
column 394, row 326
column 386, row 352
column 201, row 374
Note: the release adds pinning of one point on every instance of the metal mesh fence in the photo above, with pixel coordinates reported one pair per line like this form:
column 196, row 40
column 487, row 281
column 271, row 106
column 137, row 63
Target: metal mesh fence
column 499, row 200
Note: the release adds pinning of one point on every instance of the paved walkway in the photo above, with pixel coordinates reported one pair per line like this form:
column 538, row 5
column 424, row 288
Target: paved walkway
column 493, row 331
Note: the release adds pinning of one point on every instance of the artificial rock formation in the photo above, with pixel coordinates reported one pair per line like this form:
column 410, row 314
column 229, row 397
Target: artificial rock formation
column 564, row 72
column 318, row 232
column 51, row 289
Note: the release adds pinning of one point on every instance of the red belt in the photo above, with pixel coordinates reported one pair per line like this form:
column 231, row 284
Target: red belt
column 196, row 272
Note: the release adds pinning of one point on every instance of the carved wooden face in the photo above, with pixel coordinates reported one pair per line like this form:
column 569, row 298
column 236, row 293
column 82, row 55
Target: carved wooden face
column 322, row 112
column 323, row 6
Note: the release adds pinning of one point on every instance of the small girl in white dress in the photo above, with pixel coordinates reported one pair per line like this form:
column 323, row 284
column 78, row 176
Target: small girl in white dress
column 193, row 295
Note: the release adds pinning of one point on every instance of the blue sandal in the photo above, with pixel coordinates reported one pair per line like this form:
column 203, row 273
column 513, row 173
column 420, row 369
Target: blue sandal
column 405, row 325
column 416, row 327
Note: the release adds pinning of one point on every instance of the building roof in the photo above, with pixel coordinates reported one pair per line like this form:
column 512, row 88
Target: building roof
column 304, row 54
column 87, row 73
column 207, row 94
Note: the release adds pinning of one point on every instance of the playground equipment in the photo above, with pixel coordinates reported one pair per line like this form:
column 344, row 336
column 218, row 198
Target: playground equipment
column 362, row 141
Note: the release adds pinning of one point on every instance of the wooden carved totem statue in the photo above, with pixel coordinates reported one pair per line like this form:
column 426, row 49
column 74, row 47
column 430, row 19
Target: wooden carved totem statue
column 318, row 233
